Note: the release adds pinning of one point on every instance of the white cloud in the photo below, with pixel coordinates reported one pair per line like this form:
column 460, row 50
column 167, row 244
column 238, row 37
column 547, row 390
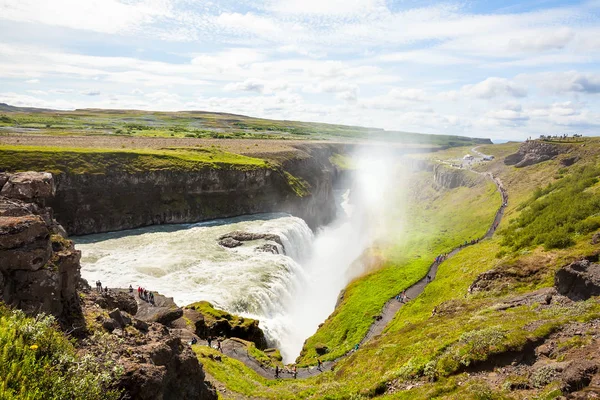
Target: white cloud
column 324, row 7
column 32, row 81
column 494, row 87
column 105, row 16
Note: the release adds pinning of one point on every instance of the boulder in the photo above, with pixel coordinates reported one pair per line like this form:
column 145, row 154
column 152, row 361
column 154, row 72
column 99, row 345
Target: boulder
column 117, row 317
column 117, row 299
column 578, row 375
column 229, row 242
column 24, row 242
column 579, row 280
column 162, row 367
column 37, row 187
column 596, row 238
column 164, row 310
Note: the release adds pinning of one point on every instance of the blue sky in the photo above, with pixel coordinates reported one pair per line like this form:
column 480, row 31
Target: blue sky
column 500, row 69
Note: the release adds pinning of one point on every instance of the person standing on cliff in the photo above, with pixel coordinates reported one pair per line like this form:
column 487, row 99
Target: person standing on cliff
column 276, row 371
column 319, row 364
column 130, row 289
column 209, row 340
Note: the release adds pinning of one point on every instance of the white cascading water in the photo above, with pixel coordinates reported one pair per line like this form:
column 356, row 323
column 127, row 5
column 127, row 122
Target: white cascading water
column 291, row 293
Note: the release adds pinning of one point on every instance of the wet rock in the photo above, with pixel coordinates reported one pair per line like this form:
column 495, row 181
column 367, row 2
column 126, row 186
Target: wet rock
column 229, row 242
column 30, row 186
column 579, row 280
column 241, row 236
column 268, row 248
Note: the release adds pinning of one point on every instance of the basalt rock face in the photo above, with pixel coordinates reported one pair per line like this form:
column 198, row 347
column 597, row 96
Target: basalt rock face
column 39, row 268
column 579, row 280
column 117, row 200
column 534, row 152
column 450, row 178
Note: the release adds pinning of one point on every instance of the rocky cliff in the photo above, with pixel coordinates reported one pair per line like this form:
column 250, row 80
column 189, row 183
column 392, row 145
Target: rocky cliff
column 39, row 268
column 40, row 273
column 116, row 200
column 534, row 152
column 449, row 177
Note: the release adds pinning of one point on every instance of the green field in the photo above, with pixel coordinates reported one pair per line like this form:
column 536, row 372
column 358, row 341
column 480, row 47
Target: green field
column 199, row 124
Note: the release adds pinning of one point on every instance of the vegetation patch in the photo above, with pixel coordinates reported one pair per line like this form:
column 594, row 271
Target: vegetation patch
column 39, row 362
column 552, row 218
column 95, row 160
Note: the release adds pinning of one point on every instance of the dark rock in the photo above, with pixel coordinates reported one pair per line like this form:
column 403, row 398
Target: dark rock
column 164, row 310
column 117, row 299
column 577, row 375
column 109, row 324
column 579, row 280
column 268, row 248
column 140, row 325
column 3, row 179
column 567, row 162
column 166, row 316
column 163, row 368
column 534, row 152
column 116, row 316
column 240, row 236
column 37, row 187
column 321, row 349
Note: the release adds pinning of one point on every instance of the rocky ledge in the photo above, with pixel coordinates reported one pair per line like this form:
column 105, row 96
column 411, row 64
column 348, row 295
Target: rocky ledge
column 40, row 273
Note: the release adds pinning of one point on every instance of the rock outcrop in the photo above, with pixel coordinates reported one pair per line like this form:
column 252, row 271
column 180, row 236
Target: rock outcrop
column 157, row 364
column 450, row 178
column 534, row 152
column 236, row 238
column 210, row 322
column 579, row 280
column 39, row 268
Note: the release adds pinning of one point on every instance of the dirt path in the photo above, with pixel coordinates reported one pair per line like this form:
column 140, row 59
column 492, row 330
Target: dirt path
column 238, row 351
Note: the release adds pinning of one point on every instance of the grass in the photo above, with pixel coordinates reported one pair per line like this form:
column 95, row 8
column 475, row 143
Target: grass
column 467, row 329
column 95, row 160
column 551, row 218
column 38, row 362
column 211, row 315
column 431, row 229
column 199, row 124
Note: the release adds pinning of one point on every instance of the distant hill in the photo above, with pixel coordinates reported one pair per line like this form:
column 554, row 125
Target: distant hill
column 204, row 124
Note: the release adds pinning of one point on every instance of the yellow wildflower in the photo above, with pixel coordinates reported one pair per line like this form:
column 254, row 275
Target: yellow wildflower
column 34, row 347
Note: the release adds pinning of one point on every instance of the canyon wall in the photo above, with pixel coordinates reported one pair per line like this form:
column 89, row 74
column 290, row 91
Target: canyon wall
column 299, row 183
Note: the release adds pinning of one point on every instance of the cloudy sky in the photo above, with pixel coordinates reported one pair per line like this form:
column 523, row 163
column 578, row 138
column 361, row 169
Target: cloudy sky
column 504, row 69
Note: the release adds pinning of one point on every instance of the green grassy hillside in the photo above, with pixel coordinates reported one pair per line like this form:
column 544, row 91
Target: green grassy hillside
column 438, row 346
column 199, row 124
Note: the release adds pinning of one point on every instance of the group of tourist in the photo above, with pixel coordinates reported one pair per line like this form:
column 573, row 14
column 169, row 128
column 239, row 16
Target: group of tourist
column 402, row 297
column 99, row 288
column 144, row 294
column 288, row 370
column 210, row 339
